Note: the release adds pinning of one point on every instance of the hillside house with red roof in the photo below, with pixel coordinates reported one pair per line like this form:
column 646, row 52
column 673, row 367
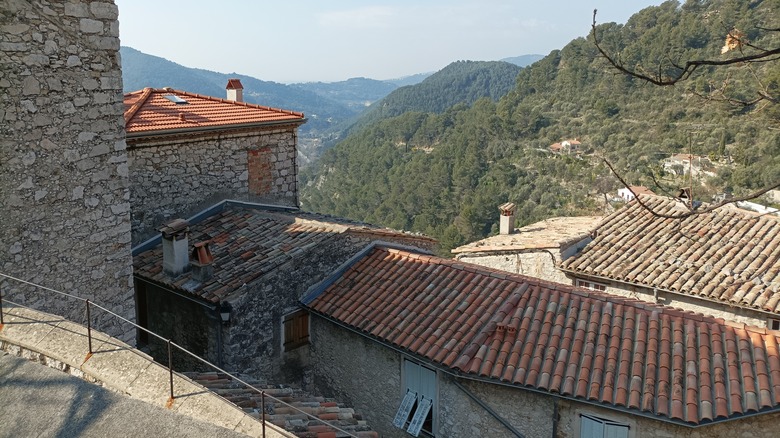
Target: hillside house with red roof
column 188, row 151
column 458, row 350
column 725, row 262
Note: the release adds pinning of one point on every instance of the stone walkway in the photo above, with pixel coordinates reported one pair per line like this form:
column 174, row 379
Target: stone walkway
column 63, row 345
column 37, row 400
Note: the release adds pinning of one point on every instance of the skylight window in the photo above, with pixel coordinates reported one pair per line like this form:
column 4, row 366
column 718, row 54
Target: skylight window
column 176, row 99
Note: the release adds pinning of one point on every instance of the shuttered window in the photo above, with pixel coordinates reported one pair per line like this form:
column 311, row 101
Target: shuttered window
column 296, row 329
column 594, row 427
column 415, row 414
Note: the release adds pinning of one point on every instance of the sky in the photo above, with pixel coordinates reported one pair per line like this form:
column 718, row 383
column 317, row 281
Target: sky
column 328, row 41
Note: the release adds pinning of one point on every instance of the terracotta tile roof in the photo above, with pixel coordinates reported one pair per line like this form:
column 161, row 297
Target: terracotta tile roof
column 281, row 414
column 728, row 255
column 248, row 243
column 620, row 353
column 555, row 232
column 149, row 111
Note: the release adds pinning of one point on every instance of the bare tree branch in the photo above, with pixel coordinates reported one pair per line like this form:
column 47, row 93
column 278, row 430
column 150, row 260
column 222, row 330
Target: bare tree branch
column 686, row 70
column 693, row 212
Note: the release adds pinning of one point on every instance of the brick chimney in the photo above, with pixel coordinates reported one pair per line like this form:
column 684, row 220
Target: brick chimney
column 506, row 223
column 201, row 262
column 174, row 242
column 235, row 91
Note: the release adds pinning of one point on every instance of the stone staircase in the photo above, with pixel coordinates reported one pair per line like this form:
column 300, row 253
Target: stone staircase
column 282, row 415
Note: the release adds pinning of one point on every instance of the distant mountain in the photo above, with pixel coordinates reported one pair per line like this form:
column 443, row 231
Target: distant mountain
column 410, row 80
column 460, row 82
column 141, row 70
column 523, row 60
column 356, row 93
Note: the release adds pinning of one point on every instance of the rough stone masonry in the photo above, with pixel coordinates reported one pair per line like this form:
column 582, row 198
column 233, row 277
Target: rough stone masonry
column 63, row 165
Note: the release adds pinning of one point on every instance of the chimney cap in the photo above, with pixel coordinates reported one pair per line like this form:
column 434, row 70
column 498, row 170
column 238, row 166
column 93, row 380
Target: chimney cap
column 201, row 253
column 234, row 84
column 507, row 209
column 174, row 228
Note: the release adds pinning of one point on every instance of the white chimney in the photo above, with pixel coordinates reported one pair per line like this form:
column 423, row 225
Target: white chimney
column 506, row 223
column 176, row 260
column 235, row 91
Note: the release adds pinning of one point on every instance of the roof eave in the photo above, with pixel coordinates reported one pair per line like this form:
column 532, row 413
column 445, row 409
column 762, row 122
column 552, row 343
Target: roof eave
column 207, row 129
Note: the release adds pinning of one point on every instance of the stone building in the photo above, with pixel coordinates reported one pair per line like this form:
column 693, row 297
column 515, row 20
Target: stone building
column 187, row 152
column 535, row 249
column 253, row 262
column 723, row 262
column 436, row 346
column 64, row 178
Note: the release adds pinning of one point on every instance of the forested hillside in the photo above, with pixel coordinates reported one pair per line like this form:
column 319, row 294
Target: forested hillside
column 445, row 173
column 459, row 82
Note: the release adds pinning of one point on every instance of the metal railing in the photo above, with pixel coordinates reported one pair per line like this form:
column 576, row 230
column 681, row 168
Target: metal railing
column 88, row 305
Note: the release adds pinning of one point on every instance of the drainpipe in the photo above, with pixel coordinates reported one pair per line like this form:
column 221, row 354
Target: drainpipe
column 555, row 418
column 218, row 327
column 489, row 410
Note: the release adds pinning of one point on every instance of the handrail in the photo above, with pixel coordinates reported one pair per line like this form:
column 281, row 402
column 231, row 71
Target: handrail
column 170, row 343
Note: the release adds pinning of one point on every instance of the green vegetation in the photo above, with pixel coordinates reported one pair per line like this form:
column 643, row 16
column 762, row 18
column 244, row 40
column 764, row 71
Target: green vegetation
column 444, row 172
column 459, row 82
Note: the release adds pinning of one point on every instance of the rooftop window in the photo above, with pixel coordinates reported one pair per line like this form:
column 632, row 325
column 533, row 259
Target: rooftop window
column 175, row 99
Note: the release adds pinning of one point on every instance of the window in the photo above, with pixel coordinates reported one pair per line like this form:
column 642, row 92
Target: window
column 415, row 414
column 774, row 324
column 591, row 285
column 595, row 427
column 296, row 330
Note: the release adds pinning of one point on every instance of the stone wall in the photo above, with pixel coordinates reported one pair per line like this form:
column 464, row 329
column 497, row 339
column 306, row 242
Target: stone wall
column 529, row 413
column 532, row 263
column 253, row 342
column 173, row 178
column 357, row 371
column 64, row 174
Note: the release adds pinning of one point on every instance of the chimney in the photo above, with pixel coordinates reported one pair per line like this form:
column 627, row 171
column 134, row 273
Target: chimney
column 506, row 224
column 235, row 91
column 201, row 261
column 174, row 243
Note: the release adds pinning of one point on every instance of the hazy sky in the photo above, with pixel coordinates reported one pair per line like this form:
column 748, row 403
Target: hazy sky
column 308, row 40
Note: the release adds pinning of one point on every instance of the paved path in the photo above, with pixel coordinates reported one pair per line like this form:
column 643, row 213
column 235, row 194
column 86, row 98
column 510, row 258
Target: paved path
column 135, row 401
column 38, row 401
